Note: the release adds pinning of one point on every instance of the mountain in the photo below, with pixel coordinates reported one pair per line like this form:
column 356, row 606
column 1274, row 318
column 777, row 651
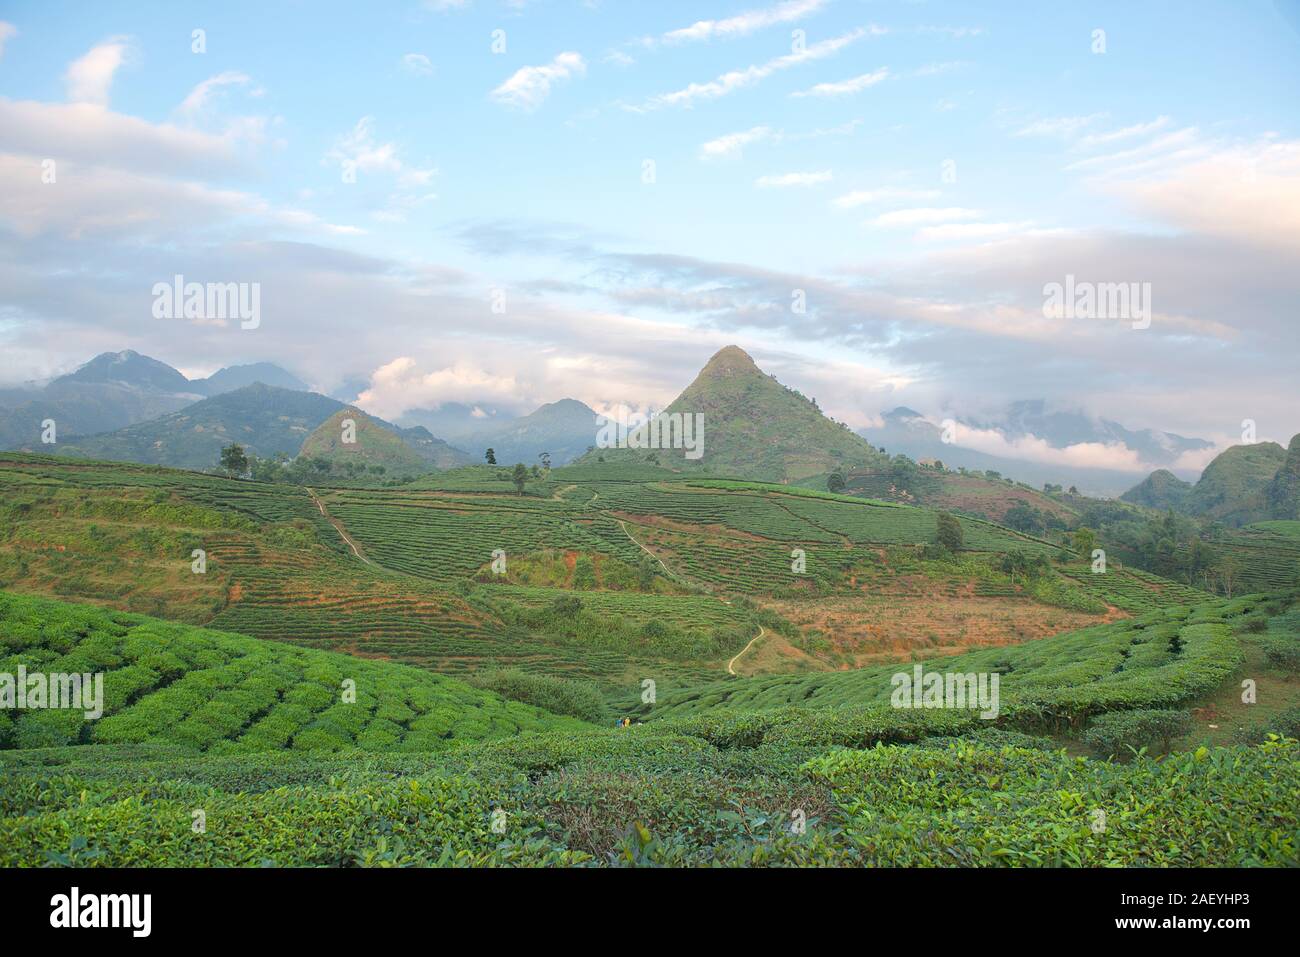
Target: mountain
column 1232, row 487
column 754, row 427
column 375, row 442
column 460, row 422
column 1161, row 490
column 130, row 368
column 907, row 432
column 236, row 377
column 566, row 429
column 110, row 391
column 1282, row 496
column 115, row 390
column 264, row 419
column 1063, row 428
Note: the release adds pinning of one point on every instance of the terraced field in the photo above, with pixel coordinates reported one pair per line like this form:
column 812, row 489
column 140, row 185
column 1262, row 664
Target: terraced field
column 213, row 691
column 1162, row 658
column 420, row 769
column 667, row 561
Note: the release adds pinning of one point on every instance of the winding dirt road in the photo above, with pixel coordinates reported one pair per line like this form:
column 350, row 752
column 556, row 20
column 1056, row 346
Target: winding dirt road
column 338, row 527
column 761, row 632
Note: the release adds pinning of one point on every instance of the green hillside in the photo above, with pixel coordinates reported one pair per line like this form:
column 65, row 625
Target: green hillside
column 1161, row 490
column 425, row 771
column 753, row 427
column 372, row 445
column 1282, row 496
column 263, row 419
column 202, row 690
column 1232, row 487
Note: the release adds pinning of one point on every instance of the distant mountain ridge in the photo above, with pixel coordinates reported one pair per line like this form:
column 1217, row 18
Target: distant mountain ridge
column 908, row 432
column 115, row 390
column 565, row 428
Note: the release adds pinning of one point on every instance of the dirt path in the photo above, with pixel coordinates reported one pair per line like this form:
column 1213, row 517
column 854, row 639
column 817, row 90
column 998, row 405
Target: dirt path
column 667, row 571
column 730, row 664
column 338, row 527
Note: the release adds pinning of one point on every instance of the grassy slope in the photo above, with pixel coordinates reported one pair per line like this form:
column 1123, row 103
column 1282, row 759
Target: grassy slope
column 373, row 445
column 203, row 690
column 720, row 788
column 123, row 535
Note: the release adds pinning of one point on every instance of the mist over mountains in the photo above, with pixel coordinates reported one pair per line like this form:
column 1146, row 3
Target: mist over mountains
column 125, row 405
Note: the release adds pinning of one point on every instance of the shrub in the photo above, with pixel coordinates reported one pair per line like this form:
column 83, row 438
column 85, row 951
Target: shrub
column 1121, row 731
column 557, row 695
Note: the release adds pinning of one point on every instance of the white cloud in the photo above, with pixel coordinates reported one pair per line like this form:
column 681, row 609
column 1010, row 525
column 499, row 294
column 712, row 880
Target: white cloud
column 862, row 197
column 793, row 179
column 733, row 144
column 529, row 86
column 922, row 215
column 735, row 80
column 1065, row 126
column 745, row 23
column 1137, row 129
column 92, row 134
column 400, row 385
column 358, row 150
column 203, row 92
column 89, row 77
column 7, row 31
column 1092, row 455
column 417, row 64
column 950, row 231
column 846, row 87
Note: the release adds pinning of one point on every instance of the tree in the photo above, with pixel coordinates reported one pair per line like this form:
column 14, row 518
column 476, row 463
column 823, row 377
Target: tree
column 546, row 460
column 233, row 460
column 835, row 482
column 520, row 477
column 948, row 532
column 1085, row 540
column 646, row 574
column 491, row 456
column 1023, row 518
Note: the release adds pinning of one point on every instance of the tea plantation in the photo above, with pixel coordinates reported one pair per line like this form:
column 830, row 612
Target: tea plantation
column 257, row 739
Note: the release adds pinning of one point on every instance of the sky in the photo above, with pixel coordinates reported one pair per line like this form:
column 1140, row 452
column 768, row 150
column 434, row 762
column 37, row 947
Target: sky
column 508, row 203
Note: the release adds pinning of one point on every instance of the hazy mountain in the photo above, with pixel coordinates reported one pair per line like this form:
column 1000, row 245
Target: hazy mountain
column 131, row 369
column 754, row 427
column 566, row 429
column 1064, row 428
column 907, row 432
column 459, row 422
column 236, row 377
column 110, row 391
column 263, row 419
column 115, row 390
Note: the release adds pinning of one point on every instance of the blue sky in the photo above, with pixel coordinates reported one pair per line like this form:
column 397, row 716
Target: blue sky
column 918, row 169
